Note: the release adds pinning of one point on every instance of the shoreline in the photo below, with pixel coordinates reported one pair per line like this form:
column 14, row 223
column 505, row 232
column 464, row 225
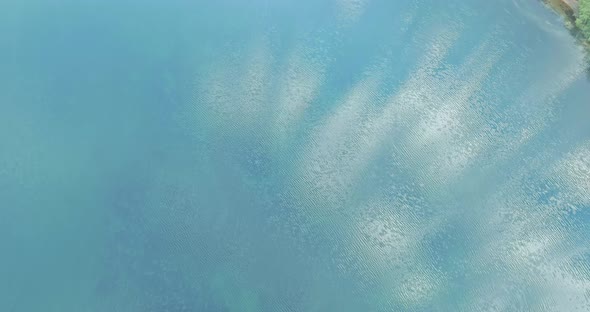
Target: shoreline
column 566, row 8
column 569, row 9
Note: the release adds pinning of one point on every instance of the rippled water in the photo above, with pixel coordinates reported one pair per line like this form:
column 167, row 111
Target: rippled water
column 337, row 155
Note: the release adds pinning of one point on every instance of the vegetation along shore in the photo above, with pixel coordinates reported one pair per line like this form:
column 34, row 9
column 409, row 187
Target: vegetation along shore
column 577, row 14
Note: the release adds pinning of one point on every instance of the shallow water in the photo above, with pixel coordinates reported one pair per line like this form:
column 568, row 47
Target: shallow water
column 338, row 155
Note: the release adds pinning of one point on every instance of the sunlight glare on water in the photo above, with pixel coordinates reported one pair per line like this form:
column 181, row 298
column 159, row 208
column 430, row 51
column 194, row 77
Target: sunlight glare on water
column 338, row 155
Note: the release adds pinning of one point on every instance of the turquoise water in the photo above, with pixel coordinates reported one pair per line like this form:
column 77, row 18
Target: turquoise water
column 337, row 155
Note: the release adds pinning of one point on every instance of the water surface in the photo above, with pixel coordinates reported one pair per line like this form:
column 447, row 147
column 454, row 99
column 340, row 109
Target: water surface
column 338, row 155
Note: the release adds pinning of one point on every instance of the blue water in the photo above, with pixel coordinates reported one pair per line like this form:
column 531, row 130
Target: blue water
column 337, row 155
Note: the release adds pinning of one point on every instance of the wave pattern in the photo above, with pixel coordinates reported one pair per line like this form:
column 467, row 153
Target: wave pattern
column 293, row 155
column 424, row 187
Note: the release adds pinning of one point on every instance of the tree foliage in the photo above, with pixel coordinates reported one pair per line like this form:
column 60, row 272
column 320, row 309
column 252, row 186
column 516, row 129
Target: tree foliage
column 583, row 20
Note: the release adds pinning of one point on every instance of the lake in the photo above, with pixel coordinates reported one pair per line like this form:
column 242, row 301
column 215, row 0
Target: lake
column 336, row 155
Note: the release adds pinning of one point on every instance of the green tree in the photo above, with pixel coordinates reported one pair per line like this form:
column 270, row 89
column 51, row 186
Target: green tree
column 583, row 20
